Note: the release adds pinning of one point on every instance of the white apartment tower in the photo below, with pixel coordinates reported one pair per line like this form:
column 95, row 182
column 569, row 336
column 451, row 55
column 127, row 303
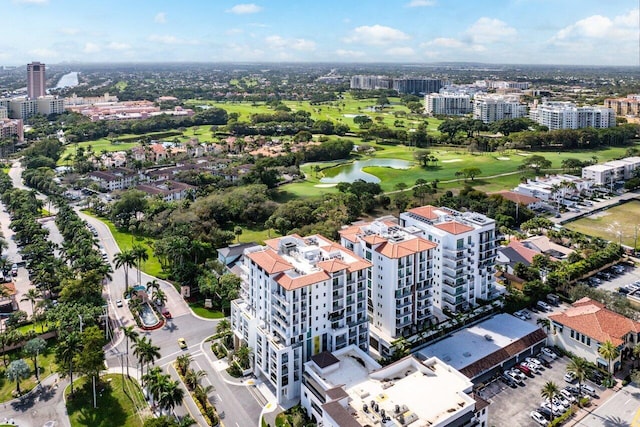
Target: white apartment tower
column 464, row 258
column 299, row 297
column 400, row 284
column 447, row 104
column 491, row 108
column 566, row 115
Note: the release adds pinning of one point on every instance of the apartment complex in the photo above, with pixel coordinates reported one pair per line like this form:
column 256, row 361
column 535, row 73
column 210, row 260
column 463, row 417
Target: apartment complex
column 447, row 104
column 566, row 115
column 415, row 86
column 350, row 389
column 610, row 172
column 400, row 284
column 11, row 128
column 36, row 80
column 554, row 187
column 23, row 108
column 629, row 106
column 491, row 108
column 464, row 258
column 299, row 297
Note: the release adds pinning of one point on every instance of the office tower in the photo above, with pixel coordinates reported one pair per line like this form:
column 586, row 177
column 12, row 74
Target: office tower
column 36, row 80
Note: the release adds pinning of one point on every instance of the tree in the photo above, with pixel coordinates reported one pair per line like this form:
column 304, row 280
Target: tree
column 192, row 378
column 168, row 421
column 183, row 362
column 18, row 370
column 129, row 334
column 535, row 163
column 549, row 391
column 470, row 173
column 33, row 348
column 580, row 369
column 32, row 296
column 170, row 394
column 237, row 230
column 609, row 352
column 159, row 297
column 243, row 356
column 141, row 255
column 125, row 259
column 65, row 353
column 145, row 351
column 90, row 359
column 544, row 322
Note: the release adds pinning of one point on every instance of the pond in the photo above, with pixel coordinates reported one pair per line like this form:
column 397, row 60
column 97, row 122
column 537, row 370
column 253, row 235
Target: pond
column 353, row 171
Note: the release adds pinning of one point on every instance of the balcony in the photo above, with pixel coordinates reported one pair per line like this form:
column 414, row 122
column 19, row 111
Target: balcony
column 400, row 304
column 281, row 299
column 402, row 324
column 453, row 291
column 423, row 286
column 453, row 300
column 454, row 255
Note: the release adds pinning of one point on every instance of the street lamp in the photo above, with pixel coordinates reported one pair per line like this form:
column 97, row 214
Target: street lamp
column 80, row 317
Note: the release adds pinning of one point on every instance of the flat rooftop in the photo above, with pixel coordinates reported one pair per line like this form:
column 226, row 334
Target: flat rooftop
column 470, row 345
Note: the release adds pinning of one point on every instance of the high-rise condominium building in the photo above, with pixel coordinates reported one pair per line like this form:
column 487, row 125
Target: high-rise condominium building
column 566, row 115
column 299, row 297
column 400, row 284
column 447, row 104
column 36, row 80
column 464, row 258
column 491, row 108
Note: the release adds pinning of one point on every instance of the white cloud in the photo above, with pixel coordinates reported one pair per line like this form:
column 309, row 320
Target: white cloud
column 400, row 51
column 488, row 30
column 171, row 40
column 245, row 9
column 234, row 31
column 160, row 18
column 91, row 48
column 420, row 3
column 620, row 28
column 376, row 35
column 118, row 46
column 44, row 53
column 278, row 42
column 349, row 53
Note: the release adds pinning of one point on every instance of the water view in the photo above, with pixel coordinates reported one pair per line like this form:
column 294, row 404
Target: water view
column 353, row 171
column 68, row 80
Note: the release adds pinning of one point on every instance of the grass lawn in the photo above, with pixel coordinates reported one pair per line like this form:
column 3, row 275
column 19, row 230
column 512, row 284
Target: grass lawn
column 38, row 327
column 98, row 145
column 45, row 363
column 118, row 403
column 126, row 240
column 616, row 224
column 199, row 309
column 256, row 235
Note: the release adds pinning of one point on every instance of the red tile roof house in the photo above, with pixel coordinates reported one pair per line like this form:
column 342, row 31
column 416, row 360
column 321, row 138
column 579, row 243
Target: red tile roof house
column 587, row 324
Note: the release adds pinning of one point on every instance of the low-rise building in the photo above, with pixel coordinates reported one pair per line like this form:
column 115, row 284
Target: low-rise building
column 587, row 324
column 115, row 179
column 347, row 388
column 169, row 191
column 610, row 172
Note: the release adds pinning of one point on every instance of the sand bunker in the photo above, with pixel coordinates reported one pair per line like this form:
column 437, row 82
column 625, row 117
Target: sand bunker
column 325, row 185
column 503, row 158
column 451, row 160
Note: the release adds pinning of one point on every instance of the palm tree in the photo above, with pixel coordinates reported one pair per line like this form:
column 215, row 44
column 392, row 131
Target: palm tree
column 170, row 395
column 609, row 351
column 125, row 259
column 223, row 326
column 192, row 378
column 33, row 348
column 201, row 392
column 66, row 351
column 183, row 362
column 153, row 286
column 159, row 297
column 243, row 356
column 580, row 369
column 18, row 370
column 145, row 351
column 141, row 255
column 545, row 323
column 32, row 296
column 153, row 380
column 129, row 334
column 549, row 391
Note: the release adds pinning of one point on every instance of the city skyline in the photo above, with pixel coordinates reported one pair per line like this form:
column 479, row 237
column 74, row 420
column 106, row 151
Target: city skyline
column 571, row 32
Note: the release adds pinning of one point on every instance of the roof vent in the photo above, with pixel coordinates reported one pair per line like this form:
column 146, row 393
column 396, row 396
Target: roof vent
column 488, row 337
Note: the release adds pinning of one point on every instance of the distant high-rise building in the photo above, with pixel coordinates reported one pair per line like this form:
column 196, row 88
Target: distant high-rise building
column 566, row 115
column 491, row 108
column 36, row 80
column 447, row 104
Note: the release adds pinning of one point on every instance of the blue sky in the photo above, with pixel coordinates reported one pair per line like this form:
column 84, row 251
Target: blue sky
column 590, row 32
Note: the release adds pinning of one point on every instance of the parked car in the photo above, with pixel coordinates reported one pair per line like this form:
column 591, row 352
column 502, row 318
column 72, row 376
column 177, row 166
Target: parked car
column 539, row 418
column 182, row 343
column 557, row 409
column 569, row 377
column 544, row 360
column 534, row 361
column 559, row 400
column 509, row 380
column 545, row 412
column 516, row 373
column 524, row 369
column 520, row 315
column 573, row 389
column 543, row 306
column 587, row 389
column 595, row 376
column 532, row 367
column 166, row 313
column 14, row 270
column 549, row 353
column 566, row 394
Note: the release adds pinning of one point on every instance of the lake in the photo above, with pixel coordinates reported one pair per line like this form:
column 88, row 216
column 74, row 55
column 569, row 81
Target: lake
column 353, row 171
column 68, row 80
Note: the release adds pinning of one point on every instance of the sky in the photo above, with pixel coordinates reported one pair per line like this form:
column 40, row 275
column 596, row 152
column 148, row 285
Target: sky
column 572, row 32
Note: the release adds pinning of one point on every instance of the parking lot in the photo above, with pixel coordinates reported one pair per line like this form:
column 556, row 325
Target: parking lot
column 512, row 406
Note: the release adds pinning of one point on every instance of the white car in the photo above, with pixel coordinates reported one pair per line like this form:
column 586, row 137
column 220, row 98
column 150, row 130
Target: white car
column 537, row 417
column 559, row 400
column 532, row 367
column 569, row 377
column 516, row 373
column 566, row 394
column 534, row 361
column 555, row 407
column 118, row 303
column 549, row 353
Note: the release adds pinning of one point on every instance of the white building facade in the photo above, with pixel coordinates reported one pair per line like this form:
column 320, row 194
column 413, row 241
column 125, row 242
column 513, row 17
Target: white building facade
column 299, row 297
column 447, row 104
column 610, row 172
column 491, row 108
column 566, row 115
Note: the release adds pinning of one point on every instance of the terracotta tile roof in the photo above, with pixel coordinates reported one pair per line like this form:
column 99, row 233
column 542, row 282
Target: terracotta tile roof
column 405, row 247
column 499, row 356
column 516, row 197
column 350, row 233
column 374, row 239
column 333, row 265
column 340, row 414
column 454, row 227
column 592, row 319
column 158, row 148
column 425, row 211
column 523, row 251
column 291, row 283
column 270, row 261
column 360, row 264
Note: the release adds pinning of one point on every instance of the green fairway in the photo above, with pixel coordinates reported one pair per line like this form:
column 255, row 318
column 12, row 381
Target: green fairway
column 119, row 403
column 617, row 224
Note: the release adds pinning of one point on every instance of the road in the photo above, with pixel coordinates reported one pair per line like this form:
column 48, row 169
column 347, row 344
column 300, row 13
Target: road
column 622, row 409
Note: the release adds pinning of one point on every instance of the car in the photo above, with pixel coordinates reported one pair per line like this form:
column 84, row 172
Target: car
column 525, row 313
column 543, row 306
column 539, row 418
column 166, row 313
column 557, row 409
column 549, row 353
column 14, row 270
column 534, row 361
column 573, row 389
column 559, row 400
column 516, row 373
column 118, row 303
column 587, row 389
column 623, row 291
column 545, row 412
column 545, row 362
column 566, row 394
column 520, row 316
column 595, row 376
column 569, row 377
column 524, row 369
column 508, row 380
column 182, row 343
column 532, row 367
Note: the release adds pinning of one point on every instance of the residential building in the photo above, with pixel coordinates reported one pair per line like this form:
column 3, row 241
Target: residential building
column 169, row 191
column 566, row 115
column 554, row 188
column 299, row 297
column 610, row 172
column 587, row 324
column 370, row 82
column 347, row 388
column 447, row 104
column 36, row 80
column 417, row 86
column 115, row 179
column 629, row 106
column 400, row 288
column 491, row 108
column 22, row 108
column 520, row 199
column 4, row 113
column 464, row 258
column 10, row 128
column 50, row 105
